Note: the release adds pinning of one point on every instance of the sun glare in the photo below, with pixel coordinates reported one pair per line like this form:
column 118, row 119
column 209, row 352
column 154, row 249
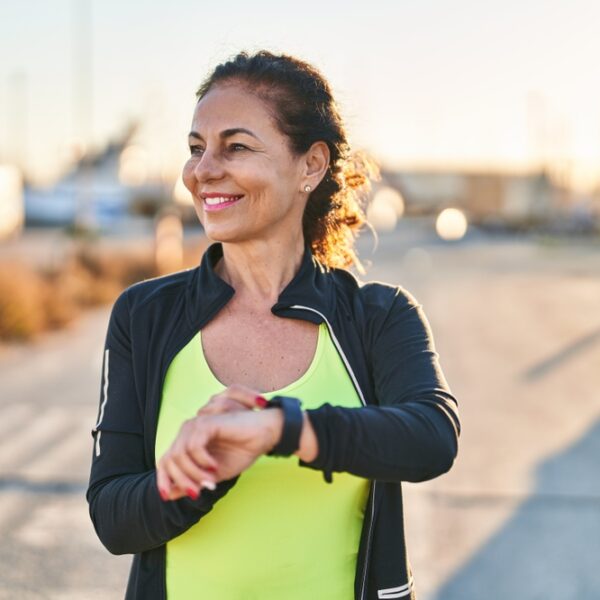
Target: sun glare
column 451, row 224
column 385, row 209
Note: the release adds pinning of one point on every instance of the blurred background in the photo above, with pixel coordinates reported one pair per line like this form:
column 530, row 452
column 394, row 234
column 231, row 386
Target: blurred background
column 485, row 120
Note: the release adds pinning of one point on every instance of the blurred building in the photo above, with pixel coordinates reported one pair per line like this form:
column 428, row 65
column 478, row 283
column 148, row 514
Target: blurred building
column 11, row 201
column 512, row 200
column 99, row 190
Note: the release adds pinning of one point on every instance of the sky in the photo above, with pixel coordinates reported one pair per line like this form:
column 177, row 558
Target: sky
column 477, row 84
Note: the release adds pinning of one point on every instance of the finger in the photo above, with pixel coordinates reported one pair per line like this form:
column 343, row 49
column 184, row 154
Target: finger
column 179, row 479
column 176, row 494
column 195, row 443
column 166, row 488
column 246, row 396
column 200, row 476
column 188, row 464
column 221, row 404
column 199, row 454
column 163, row 483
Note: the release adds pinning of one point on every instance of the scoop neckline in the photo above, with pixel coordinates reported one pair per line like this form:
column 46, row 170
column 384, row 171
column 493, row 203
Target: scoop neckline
column 314, row 363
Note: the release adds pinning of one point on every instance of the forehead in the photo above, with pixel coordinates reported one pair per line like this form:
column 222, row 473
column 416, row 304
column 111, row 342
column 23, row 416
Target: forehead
column 232, row 105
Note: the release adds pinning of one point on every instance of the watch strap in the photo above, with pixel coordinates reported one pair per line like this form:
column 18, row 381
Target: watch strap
column 293, row 420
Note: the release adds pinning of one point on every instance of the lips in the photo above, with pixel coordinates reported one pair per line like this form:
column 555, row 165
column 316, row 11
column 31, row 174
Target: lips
column 218, row 201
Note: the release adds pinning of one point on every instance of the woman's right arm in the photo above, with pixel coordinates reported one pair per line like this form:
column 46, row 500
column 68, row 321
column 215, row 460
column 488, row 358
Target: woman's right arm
column 125, row 507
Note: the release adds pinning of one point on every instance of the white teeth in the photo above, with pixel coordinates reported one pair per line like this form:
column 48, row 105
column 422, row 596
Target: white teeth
column 215, row 201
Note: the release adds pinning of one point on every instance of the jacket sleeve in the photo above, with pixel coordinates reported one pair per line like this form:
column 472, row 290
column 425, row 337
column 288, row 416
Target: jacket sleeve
column 412, row 432
column 125, row 507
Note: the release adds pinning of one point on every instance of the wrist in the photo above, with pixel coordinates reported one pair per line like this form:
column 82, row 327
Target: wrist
column 309, row 445
column 274, row 427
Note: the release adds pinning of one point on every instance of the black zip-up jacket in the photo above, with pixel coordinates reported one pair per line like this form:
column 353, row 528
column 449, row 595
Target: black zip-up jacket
column 406, row 430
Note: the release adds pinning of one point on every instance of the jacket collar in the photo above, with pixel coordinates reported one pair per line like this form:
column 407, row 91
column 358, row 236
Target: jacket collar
column 311, row 287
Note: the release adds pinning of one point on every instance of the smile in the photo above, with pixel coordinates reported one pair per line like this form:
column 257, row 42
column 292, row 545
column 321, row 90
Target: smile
column 220, row 202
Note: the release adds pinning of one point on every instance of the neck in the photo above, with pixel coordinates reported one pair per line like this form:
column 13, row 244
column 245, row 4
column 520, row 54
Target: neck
column 259, row 270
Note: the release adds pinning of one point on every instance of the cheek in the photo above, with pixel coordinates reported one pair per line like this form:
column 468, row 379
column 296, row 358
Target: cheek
column 263, row 180
column 199, row 211
column 187, row 176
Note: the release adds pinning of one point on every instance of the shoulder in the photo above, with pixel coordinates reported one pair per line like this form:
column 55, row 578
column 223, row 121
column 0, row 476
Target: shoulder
column 378, row 308
column 381, row 296
column 388, row 310
column 375, row 297
column 153, row 292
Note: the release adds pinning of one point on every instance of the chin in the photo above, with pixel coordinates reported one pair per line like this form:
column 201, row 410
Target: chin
column 226, row 234
column 218, row 232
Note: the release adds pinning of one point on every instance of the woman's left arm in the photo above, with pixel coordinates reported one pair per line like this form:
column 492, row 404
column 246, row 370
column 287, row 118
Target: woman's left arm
column 412, row 432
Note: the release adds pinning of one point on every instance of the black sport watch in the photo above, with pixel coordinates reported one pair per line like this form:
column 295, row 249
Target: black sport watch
column 293, row 419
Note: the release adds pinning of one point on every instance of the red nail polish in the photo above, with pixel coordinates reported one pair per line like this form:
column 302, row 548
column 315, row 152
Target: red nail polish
column 261, row 402
column 163, row 494
column 192, row 493
column 210, row 469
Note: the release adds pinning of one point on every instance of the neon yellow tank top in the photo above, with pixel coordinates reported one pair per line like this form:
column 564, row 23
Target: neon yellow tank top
column 281, row 532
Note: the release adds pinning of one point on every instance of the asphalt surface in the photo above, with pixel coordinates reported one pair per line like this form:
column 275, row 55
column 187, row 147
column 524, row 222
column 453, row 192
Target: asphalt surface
column 517, row 326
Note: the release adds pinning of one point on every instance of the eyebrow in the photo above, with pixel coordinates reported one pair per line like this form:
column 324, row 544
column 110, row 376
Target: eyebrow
column 225, row 133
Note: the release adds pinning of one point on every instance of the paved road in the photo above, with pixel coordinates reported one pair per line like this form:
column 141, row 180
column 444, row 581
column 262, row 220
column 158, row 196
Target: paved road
column 518, row 330
column 47, row 408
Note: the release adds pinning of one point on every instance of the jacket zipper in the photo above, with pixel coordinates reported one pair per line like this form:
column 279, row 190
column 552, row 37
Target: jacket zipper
column 362, row 399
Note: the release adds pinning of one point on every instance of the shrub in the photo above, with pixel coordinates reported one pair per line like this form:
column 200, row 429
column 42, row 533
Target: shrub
column 22, row 313
column 34, row 300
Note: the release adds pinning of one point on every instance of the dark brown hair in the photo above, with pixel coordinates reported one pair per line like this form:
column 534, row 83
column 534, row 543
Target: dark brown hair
column 305, row 111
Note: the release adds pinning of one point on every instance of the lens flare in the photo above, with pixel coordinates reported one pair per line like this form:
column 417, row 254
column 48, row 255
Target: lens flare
column 451, row 224
column 385, row 209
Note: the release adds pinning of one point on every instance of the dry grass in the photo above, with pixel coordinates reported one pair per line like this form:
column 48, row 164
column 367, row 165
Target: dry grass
column 22, row 313
column 35, row 300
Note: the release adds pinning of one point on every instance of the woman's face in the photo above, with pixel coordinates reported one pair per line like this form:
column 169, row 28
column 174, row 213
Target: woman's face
column 244, row 180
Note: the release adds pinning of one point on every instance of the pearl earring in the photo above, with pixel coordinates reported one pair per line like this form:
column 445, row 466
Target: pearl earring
column 307, row 188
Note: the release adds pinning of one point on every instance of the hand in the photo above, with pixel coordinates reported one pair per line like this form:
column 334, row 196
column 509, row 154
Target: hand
column 235, row 397
column 178, row 466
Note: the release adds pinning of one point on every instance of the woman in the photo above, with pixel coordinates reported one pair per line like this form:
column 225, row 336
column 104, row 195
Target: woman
column 216, row 377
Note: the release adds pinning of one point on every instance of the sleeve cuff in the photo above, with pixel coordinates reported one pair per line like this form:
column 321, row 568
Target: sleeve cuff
column 318, row 419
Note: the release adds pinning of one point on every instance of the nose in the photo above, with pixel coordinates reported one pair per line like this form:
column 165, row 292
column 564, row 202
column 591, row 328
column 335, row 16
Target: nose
column 209, row 167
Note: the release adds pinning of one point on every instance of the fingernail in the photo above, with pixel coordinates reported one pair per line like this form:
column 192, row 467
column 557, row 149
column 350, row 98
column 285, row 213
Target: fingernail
column 192, row 493
column 209, row 485
column 261, row 402
column 210, row 469
column 163, row 494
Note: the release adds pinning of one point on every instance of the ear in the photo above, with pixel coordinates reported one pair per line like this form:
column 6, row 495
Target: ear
column 315, row 164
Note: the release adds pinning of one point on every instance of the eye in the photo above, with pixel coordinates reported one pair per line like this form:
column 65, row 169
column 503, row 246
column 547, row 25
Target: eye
column 196, row 150
column 237, row 147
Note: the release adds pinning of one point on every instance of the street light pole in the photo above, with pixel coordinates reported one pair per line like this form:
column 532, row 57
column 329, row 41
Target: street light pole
column 17, row 122
column 83, row 108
